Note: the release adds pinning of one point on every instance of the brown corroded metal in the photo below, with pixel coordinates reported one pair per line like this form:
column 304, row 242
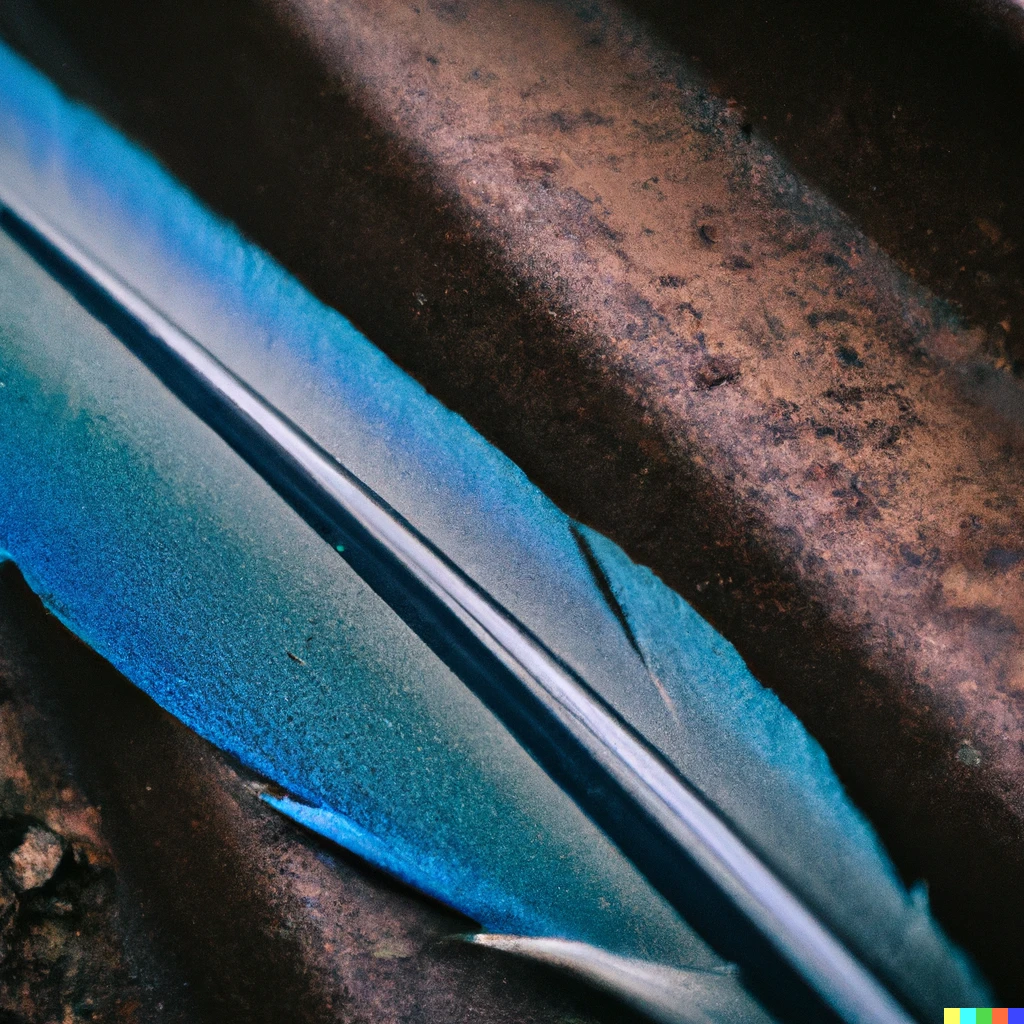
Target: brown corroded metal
column 61, row 955
column 553, row 222
column 903, row 113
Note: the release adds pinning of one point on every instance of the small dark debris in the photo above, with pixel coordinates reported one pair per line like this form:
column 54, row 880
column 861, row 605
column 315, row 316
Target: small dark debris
column 566, row 122
column 295, row 657
column 737, row 263
column 708, row 233
column 671, row 281
column 856, row 504
column 776, row 326
column 846, row 396
column 849, row 356
column 715, row 371
column 1002, row 559
column 535, row 165
column 781, row 432
column 889, row 437
column 910, row 556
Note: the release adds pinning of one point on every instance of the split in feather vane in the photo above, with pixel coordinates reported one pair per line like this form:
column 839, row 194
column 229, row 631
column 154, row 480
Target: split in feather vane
column 483, row 697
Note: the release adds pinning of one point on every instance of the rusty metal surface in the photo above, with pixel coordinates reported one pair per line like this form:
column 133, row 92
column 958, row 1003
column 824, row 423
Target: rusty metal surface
column 61, row 958
column 908, row 115
column 555, row 223
column 182, row 897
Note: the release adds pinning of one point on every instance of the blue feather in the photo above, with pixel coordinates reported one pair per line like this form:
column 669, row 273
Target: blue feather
column 159, row 546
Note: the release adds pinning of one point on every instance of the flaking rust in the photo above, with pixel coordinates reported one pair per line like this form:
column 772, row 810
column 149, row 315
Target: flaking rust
column 61, row 953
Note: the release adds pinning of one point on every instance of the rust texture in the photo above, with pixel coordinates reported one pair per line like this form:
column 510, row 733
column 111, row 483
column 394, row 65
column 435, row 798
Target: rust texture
column 554, row 222
column 61, row 957
column 907, row 114
column 181, row 897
